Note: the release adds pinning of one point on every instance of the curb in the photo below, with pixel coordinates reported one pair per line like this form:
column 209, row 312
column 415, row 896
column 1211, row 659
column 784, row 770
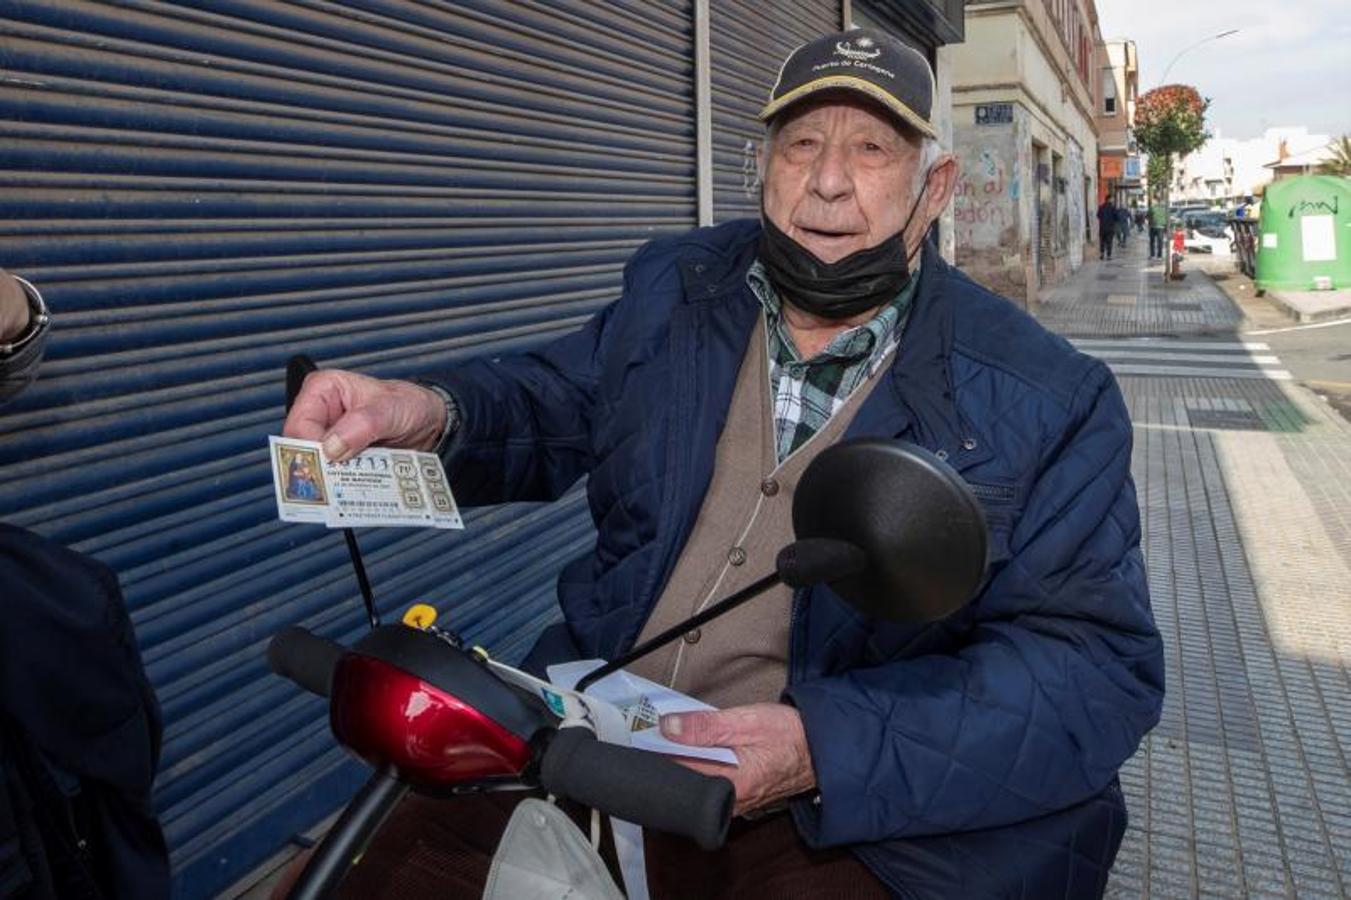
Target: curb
column 1301, row 313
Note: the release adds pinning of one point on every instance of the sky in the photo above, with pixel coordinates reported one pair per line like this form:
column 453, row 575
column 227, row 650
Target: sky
column 1288, row 65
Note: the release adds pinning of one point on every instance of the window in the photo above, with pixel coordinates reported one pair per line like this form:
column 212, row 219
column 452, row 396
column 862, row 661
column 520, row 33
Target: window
column 1108, row 93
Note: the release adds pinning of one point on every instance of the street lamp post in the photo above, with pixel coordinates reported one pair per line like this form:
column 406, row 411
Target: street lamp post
column 1214, row 37
column 1168, row 250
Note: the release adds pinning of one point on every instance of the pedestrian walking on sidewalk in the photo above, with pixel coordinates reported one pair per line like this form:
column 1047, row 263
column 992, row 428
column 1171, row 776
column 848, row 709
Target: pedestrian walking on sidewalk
column 1106, row 228
column 1158, row 226
column 1123, row 224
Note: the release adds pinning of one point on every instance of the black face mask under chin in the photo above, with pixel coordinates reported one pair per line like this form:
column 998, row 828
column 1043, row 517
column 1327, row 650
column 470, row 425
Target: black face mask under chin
column 863, row 280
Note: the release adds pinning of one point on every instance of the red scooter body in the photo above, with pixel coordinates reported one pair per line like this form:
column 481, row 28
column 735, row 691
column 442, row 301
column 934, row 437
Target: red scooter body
column 416, row 701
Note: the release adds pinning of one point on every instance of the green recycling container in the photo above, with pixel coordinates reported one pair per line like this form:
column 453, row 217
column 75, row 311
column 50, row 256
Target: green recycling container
column 1305, row 244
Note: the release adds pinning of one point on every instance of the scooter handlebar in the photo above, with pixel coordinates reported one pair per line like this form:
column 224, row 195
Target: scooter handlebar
column 638, row 786
column 305, row 658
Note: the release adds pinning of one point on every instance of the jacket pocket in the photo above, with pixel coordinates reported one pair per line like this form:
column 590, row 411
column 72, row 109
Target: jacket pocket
column 993, row 493
column 1002, row 503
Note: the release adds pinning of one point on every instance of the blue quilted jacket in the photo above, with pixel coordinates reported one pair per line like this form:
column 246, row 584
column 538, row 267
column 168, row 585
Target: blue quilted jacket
column 973, row 756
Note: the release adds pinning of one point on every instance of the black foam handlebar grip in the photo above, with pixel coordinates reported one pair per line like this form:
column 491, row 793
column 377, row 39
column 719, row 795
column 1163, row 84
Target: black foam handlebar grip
column 297, row 367
column 637, row 786
column 812, row 561
column 305, row 658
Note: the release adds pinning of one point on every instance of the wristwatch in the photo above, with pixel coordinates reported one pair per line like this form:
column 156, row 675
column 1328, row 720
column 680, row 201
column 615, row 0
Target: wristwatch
column 38, row 320
column 452, row 415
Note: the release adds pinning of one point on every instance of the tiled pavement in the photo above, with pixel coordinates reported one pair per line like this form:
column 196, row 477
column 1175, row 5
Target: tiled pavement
column 1244, row 481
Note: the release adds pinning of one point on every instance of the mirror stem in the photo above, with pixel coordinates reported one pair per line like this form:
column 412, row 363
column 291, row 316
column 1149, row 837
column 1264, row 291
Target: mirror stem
column 678, row 629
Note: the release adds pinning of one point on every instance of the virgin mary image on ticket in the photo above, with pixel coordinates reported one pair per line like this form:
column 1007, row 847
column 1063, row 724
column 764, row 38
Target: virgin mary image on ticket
column 298, row 478
column 302, row 476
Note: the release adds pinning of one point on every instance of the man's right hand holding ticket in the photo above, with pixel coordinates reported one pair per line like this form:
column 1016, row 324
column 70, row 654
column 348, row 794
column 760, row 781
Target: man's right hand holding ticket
column 350, row 412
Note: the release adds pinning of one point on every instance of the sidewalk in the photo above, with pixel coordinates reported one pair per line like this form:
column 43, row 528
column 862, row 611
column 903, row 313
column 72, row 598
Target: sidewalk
column 1314, row 306
column 1244, row 479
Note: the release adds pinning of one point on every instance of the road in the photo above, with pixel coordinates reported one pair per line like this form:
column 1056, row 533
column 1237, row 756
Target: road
column 1317, row 356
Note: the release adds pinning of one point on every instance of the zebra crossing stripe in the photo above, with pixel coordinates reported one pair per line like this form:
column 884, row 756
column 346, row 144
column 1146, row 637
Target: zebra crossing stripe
column 1163, row 343
column 1200, row 372
column 1196, row 359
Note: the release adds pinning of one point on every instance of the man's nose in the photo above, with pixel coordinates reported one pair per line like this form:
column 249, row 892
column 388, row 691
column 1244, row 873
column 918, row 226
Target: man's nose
column 832, row 177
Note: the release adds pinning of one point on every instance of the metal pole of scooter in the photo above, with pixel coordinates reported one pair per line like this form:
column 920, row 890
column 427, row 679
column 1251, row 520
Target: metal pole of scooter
column 347, row 839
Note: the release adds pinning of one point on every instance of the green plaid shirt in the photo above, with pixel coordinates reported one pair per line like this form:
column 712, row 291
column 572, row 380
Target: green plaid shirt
column 807, row 392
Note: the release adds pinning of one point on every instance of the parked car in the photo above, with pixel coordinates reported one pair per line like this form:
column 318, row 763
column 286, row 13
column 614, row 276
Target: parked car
column 1207, row 231
column 1177, row 214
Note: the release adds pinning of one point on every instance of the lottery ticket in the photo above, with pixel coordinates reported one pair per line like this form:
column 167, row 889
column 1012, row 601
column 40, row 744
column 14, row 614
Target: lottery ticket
column 640, row 704
column 377, row 487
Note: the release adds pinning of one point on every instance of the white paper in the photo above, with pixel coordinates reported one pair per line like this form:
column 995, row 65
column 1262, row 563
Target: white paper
column 632, row 857
column 604, row 719
column 624, row 709
column 641, row 703
column 1269, row 240
column 377, row 487
column 1319, row 238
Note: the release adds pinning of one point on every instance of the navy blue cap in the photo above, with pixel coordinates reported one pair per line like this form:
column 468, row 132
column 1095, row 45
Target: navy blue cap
column 866, row 61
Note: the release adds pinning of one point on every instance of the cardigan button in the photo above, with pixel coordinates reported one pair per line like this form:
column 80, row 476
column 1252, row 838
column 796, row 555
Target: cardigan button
column 769, row 487
column 692, row 637
column 969, row 444
column 736, row 556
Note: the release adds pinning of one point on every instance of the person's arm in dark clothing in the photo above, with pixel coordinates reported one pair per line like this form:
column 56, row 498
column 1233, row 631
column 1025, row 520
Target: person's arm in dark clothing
column 1060, row 677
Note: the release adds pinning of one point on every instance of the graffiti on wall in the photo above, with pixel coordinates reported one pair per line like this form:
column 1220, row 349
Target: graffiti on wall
column 750, row 170
column 1062, row 216
column 983, row 202
column 1074, row 197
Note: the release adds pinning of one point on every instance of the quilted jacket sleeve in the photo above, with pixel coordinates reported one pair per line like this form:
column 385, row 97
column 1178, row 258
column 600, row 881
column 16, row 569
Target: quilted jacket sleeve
column 1058, row 680
column 525, row 418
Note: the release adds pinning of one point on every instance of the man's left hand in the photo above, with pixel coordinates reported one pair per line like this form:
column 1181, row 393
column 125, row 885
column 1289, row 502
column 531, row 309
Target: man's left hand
column 769, row 742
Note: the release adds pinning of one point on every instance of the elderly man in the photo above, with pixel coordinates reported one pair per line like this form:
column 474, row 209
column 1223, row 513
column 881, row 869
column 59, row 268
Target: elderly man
column 976, row 756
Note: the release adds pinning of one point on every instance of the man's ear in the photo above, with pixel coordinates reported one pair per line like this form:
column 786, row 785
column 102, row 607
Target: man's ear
column 942, row 183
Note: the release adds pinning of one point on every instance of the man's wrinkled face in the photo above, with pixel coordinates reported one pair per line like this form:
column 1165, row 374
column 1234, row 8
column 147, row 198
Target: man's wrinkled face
column 838, row 176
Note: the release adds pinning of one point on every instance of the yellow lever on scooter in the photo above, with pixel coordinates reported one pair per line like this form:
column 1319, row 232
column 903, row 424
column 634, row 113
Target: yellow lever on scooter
column 420, row 615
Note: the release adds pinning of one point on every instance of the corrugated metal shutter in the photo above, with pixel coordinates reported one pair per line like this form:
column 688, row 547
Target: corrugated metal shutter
column 749, row 40
column 202, row 190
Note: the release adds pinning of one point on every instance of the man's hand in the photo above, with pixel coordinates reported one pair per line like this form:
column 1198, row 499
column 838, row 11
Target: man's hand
column 14, row 312
column 350, row 412
column 769, row 741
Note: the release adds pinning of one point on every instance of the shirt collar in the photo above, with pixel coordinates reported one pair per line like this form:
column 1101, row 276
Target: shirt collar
column 852, row 344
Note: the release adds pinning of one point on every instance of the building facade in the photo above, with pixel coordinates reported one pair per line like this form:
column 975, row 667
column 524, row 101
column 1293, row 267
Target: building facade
column 1225, row 170
column 1303, row 154
column 1119, row 168
column 1024, row 95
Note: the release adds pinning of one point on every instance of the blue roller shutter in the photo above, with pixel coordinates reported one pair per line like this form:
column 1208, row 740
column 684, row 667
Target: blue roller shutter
column 202, row 190
column 749, row 40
